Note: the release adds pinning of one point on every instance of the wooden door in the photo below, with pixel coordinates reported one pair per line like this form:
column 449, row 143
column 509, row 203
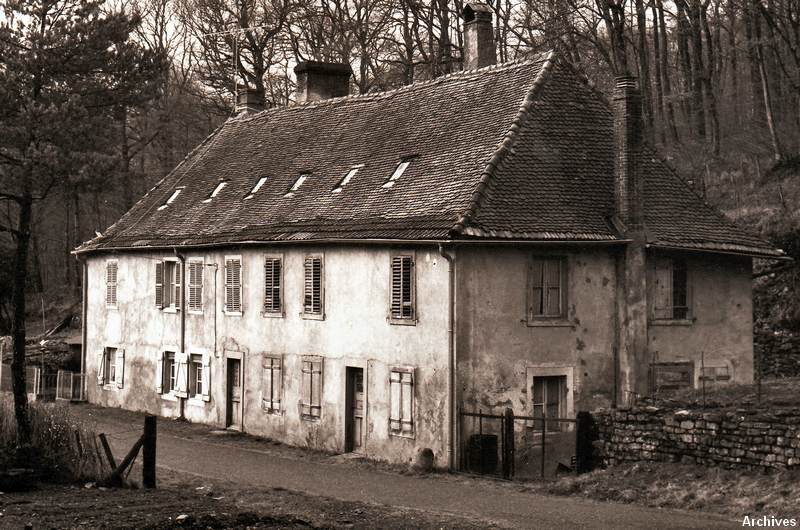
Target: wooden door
column 354, row 403
column 233, row 416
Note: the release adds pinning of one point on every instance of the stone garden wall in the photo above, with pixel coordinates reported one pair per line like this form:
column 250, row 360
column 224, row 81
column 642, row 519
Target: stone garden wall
column 734, row 439
column 779, row 351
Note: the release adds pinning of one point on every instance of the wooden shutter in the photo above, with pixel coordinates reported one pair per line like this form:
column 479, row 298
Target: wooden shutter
column 101, row 367
column 272, row 285
column 277, row 383
column 111, row 283
column 537, row 288
column 160, row 284
column 552, row 280
column 181, row 374
column 407, row 391
column 316, row 388
column 305, row 398
column 662, row 303
column 206, row 393
column 395, row 402
column 176, row 284
column 195, row 286
column 119, row 372
column 402, row 287
column 233, row 285
column 312, row 299
column 159, row 375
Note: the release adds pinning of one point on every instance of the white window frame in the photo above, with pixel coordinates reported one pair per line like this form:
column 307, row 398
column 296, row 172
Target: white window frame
column 399, row 170
column 175, row 289
column 281, row 286
column 177, row 191
column 220, row 186
column 111, row 375
column 111, row 286
column 411, row 320
column 297, row 183
column 189, row 285
column 402, row 381
column 347, row 178
column 321, row 314
column 269, row 404
column 311, row 401
column 168, row 395
column 227, row 312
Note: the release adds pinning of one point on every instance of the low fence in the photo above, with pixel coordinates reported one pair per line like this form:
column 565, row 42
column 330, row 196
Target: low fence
column 69, row 385
column 524, row 447
column 45, row 386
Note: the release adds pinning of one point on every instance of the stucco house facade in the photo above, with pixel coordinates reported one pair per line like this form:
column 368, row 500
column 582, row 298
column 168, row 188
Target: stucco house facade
column 346, row 272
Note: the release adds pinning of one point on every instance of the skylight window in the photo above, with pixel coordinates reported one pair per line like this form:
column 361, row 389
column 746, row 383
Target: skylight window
column 216, row 191
column 346, row 179
column 257, row 187
column 171, row 198
column 398, row 172
column 297, row 183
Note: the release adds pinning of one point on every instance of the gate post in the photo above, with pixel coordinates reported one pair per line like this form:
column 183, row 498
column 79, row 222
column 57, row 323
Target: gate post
column 585, row 436
column 508, row 447
column 149, row 452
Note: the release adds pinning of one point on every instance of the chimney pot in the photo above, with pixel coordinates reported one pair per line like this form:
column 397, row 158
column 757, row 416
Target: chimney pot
column 250, row 100
column 628, row 129
column 318, row 80
column 479, row 48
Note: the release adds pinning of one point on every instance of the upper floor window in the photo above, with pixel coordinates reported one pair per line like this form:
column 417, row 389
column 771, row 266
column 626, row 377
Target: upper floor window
column 398, row 172
column 297, row 183
column 216, row 191
column 403, row 288
column 172, row 197
column 347, row 178
column 195, row 301
column 255, row 189
column 313, row 296
column 547, row 286
column 111, row 283
column 168, row 284
column 671, row 297
column 273, row 286
column 233, row 285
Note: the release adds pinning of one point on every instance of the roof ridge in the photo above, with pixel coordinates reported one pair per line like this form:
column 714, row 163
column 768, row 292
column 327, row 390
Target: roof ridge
column 505, row 145
column 372, row 96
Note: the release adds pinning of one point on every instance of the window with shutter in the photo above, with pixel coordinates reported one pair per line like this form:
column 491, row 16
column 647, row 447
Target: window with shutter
column 197, row 383
column 313, row 298
column 272, row 384
column 111, row 283
column 233, row 285
column 547, row 283
column 168, row 284
column 195, row 301
column 403, row 289
column 181, row 365
column 401, row 401
column 159, row 284
column 671, row 290
column 311, row 388
column 273, row 289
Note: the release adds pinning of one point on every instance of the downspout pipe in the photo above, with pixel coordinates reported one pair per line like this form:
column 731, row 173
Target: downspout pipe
column 84, row 331
column 451, row 357
column 182, row 258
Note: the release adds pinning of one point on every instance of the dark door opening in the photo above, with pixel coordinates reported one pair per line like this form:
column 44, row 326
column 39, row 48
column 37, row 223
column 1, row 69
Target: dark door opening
column 354, row 410
column 233, row 412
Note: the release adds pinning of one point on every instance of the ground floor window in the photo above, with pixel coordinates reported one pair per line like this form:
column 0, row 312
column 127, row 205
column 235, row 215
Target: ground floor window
column 401, row 396
column 111, row 367
column 196, row 376
column 271, row 384
column 311, row 399
column 549, row 402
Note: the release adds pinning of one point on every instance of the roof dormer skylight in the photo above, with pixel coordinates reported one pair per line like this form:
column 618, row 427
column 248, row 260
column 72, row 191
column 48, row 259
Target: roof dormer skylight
column 172, row 198
column 216, row 191
column 257, row 187
column 297, row 183
column 346, row 179
column 398, row 172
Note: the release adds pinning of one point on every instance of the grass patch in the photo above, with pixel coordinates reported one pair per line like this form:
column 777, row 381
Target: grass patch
column 664, row 485
column 63, row 448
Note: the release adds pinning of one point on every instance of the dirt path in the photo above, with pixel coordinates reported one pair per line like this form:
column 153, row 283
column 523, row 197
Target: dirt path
column 250, row 463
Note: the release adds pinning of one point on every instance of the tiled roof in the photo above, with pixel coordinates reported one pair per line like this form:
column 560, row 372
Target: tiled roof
column 521, row 150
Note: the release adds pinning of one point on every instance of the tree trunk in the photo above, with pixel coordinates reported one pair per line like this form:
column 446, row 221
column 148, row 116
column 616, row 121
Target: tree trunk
column 711, row 82
column 756, row 107
column 698, row 69
column 777, row 148
column 644, row 68
column 659, row 103
column 18, row 323
column 665, row 74
column 733, row 59
column 685, row 62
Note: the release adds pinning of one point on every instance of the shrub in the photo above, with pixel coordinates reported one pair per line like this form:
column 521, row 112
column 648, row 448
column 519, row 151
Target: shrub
column 63, row 448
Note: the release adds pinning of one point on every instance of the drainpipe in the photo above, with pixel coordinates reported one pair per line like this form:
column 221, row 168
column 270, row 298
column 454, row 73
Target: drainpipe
column 84, row 332
column 451, row 357
column 182, row 258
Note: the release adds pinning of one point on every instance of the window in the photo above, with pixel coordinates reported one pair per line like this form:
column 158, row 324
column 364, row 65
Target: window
column 271, row 384
column 216, row 191
column 111, row 283
column 166, row 373
column 297, row 183
column 547, row 288
column 311, row 399
column 233, row 285
column 549, row 401
column 346, row 179
column 168, row 285
column 255, row 189
column 195, row 301
column 715, row 374
column 171, row 198
column 273, row 297
column 196, row 376
column 671, row 290
column 313, row 299
column 401, row 397
column 668, row 376
column 403, row 288
column 398, row 172
column 111, row 367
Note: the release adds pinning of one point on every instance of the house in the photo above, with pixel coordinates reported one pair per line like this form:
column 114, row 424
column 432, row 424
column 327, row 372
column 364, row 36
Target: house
column 345, row 273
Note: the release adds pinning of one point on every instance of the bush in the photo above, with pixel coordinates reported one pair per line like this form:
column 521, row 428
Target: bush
column 63, row 448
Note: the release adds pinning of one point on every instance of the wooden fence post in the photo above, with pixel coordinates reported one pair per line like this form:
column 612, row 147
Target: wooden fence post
column 149, row 452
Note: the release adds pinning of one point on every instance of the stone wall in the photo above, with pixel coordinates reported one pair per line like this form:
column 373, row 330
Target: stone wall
column 733, row 439
column 779, row 351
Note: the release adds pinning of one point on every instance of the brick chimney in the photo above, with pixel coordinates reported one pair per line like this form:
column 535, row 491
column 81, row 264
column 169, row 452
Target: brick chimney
column 250, row 100
column 317, row 80
column 479, row 48
column 628, row 130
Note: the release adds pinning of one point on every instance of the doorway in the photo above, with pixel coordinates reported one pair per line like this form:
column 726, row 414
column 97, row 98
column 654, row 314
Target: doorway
column 233, row 412
column 354, row 413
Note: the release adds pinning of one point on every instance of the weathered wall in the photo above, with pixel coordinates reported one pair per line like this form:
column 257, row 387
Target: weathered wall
column 779, row 352
column 497, row 349
column 721, row 327
column 746, row 439
column 355, row 332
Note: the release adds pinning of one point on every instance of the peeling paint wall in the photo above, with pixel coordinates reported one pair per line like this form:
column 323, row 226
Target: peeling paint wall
column 355, row 332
